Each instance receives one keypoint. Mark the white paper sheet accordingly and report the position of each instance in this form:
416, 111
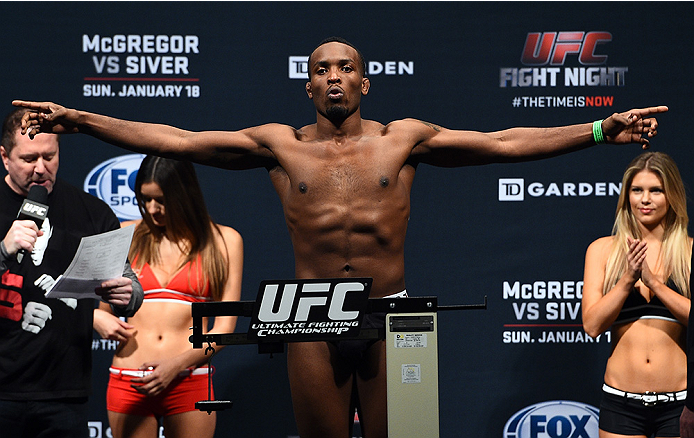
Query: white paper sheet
100, 257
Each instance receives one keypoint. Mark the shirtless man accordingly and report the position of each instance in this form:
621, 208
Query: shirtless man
344, 183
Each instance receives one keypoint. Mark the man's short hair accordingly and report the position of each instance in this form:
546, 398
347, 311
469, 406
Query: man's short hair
12, 123
337, 39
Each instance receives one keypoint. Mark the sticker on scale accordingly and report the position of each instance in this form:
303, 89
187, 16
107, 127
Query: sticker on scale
410, 340
411, 373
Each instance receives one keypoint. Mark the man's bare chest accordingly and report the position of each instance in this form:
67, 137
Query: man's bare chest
345, 175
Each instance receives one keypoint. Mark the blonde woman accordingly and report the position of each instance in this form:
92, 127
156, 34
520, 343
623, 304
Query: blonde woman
180, 257
636, 281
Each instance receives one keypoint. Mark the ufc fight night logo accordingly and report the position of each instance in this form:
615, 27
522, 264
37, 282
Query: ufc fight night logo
316, 309
553, 47
565, 58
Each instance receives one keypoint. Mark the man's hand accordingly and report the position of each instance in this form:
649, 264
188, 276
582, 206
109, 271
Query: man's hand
629, 127
111, 327
47, 117
35, 316
116, 291
22, 235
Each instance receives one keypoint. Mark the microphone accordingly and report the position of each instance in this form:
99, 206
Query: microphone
33, 208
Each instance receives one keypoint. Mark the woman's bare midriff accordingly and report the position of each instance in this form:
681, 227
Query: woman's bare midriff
648, 356
162, 332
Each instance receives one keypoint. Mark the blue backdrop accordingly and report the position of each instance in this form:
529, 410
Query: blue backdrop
516, 233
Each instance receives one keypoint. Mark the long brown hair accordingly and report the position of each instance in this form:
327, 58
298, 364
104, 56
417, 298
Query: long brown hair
187, 222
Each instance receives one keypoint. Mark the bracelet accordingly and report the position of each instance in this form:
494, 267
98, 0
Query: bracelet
4, 257
598, 136
3, 251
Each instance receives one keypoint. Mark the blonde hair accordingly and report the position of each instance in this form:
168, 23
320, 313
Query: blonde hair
675, 253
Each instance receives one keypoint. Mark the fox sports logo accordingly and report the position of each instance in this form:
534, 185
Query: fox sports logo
554, 419
113, 181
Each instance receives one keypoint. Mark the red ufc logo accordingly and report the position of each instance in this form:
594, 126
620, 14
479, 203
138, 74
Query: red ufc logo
552, 47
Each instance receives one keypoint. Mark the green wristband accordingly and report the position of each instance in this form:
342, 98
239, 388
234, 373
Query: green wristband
598, 136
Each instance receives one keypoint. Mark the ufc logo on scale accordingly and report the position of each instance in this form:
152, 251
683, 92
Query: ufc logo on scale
302, 308
553, 47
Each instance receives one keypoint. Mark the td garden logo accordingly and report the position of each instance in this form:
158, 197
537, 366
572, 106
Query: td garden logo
515, 189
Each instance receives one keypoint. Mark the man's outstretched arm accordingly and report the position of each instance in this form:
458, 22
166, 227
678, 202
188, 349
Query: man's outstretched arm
229, 149
450, 148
